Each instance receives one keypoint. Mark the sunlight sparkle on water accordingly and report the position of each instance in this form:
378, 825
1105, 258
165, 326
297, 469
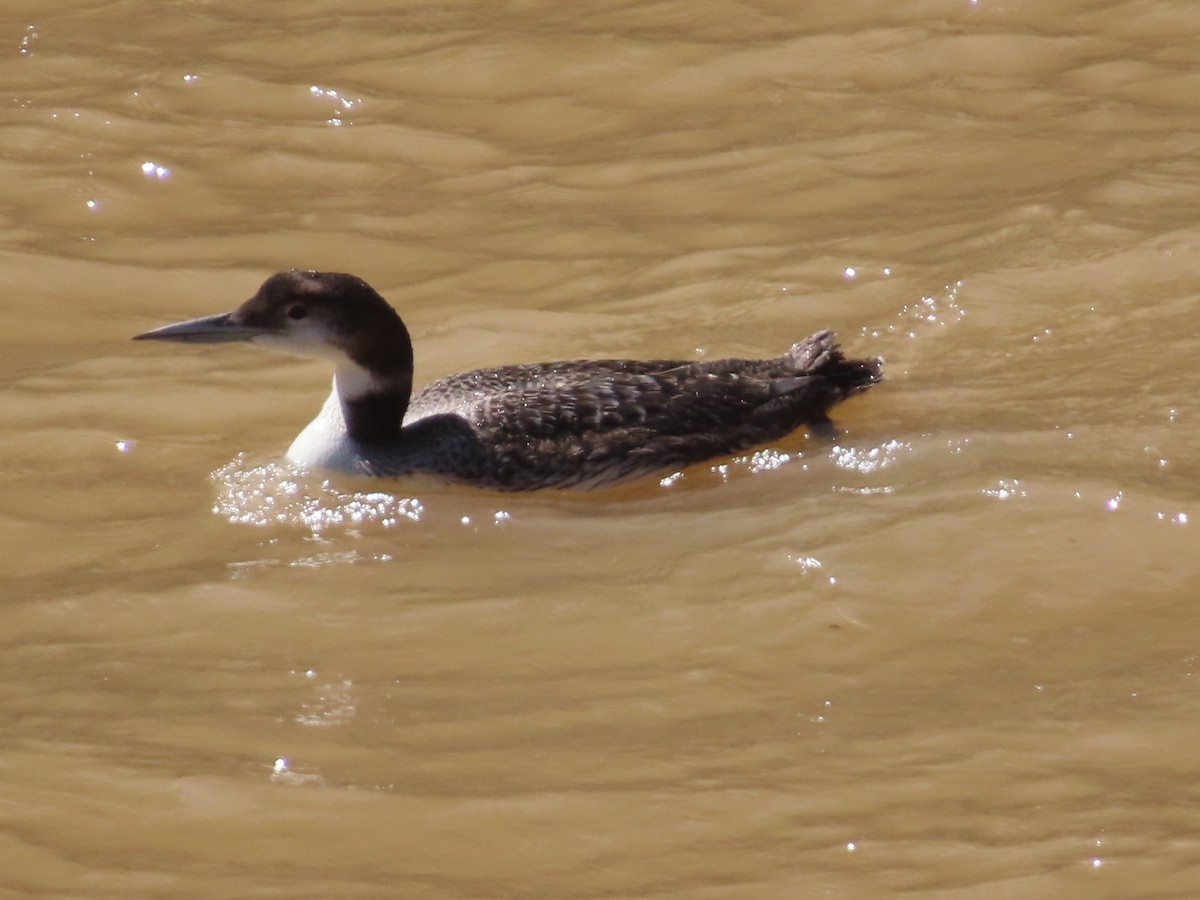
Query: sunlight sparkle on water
282, 773
928, 311
1177, 519
341, 104
155, 171
766, 460
867, 460
274, 495
334, 705
28, 39
805, 563
1005, 490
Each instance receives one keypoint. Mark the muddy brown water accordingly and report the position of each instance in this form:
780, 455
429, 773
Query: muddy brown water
951, 654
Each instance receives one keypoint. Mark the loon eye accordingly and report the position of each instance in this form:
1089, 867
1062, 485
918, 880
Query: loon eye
297, 312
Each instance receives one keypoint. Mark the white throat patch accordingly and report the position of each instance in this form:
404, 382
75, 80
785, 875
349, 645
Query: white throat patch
351, 381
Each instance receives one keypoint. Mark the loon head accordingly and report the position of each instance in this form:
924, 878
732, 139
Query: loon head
326, 315
323, 314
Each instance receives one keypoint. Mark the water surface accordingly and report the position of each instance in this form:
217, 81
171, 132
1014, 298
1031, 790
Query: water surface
952, 653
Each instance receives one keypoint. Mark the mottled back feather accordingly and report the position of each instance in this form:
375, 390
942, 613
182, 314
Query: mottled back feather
590, 422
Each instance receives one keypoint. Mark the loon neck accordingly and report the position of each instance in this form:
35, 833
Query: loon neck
373, 405
373, 376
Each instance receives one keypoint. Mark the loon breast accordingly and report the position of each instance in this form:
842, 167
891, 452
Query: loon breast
325, 442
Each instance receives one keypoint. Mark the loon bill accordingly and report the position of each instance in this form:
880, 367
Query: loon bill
577, 423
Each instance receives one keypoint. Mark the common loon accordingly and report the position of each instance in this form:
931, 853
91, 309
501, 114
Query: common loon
580, 423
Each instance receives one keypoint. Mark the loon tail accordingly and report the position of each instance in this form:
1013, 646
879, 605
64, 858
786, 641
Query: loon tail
819, 356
